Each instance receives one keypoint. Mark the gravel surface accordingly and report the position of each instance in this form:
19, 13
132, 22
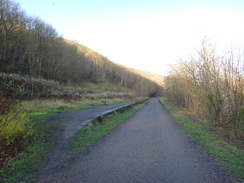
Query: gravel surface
148, 147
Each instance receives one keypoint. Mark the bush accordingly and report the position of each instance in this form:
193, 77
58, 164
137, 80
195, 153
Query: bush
15, 129
5, 103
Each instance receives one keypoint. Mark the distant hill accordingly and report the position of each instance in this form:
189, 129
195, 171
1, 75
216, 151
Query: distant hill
154, 77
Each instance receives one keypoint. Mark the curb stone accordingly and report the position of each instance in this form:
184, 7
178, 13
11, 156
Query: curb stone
119, 109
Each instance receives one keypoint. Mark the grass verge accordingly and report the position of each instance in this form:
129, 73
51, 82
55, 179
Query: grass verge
57, 106
24, 166
89, 135
231, 158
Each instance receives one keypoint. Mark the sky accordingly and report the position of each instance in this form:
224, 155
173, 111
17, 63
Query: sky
148, 35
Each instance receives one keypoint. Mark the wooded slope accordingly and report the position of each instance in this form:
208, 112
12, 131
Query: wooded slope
29, 46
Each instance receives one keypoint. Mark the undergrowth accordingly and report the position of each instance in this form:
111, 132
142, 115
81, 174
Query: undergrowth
230, 157
15, 129
23, 167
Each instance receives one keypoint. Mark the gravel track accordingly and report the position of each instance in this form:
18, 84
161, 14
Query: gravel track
148, 147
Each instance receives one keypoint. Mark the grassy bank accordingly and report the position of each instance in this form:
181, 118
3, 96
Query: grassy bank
56, 106
89, 135
230, 157
23, 167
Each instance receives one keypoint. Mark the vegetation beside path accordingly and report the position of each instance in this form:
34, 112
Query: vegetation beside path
229, 156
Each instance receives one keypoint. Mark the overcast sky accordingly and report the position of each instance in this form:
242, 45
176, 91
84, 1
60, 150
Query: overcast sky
143, 34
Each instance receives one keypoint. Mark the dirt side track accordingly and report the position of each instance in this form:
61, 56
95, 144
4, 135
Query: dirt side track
148, 147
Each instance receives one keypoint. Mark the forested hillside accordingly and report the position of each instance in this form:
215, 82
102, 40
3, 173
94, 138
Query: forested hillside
29, 46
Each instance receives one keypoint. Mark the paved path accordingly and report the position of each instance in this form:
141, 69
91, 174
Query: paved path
72, 122
148, 147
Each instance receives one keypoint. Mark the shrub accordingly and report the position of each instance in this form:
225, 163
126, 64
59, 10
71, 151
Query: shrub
15, 129
5, 103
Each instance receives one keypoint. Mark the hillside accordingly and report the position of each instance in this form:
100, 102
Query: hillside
32, 50
92, 55
88, 70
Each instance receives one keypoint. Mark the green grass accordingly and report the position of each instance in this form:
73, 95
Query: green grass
89, 135
57, 106
231, 158
22, 168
